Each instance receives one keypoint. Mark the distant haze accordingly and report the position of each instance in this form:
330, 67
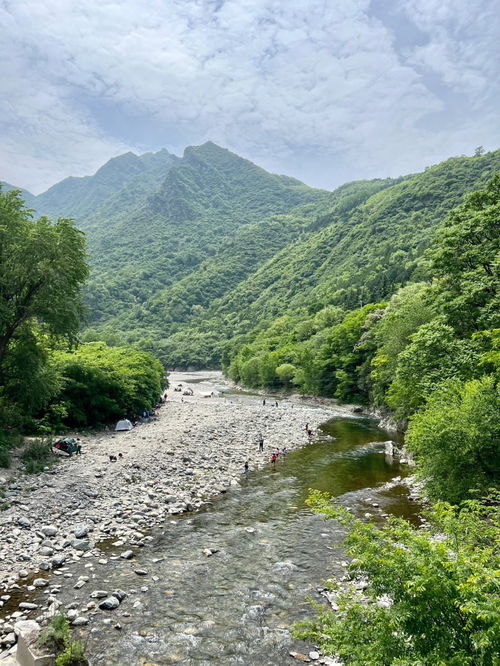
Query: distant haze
323, 91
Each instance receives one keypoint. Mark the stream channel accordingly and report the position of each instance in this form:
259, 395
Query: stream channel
237, 606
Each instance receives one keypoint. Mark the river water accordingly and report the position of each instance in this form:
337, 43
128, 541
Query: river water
237, 606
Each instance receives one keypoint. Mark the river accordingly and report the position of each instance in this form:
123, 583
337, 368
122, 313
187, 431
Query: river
236, 607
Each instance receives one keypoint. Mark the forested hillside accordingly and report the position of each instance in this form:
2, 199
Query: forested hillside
369, 244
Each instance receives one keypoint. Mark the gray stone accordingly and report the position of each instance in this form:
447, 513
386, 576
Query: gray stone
40, 582
58, 560
80, 621
45, 551
49, 530
120, 594
81, 530
81, 544
24, 522
25, 605
99, 594
140, 572
109, 603
127, 554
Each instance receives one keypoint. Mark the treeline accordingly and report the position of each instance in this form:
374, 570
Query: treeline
430, 354
48, 381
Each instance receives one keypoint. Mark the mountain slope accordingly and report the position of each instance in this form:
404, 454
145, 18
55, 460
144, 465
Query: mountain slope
357, 257
203, 200
77, 197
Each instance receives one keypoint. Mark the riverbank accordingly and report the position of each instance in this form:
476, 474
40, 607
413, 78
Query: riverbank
195, 450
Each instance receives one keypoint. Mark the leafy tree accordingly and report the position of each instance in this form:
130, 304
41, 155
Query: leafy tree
286, 372
465, 256
432, 595
42, 269
433, 355
101, 384
456, 439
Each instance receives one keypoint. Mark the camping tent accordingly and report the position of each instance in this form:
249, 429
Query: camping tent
124, 424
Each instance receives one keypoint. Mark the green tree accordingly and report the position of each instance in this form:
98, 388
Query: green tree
42, 269
456, 439
286, 372
432, 595
465, 262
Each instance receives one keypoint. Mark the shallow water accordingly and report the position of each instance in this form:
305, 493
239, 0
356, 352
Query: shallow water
237, 606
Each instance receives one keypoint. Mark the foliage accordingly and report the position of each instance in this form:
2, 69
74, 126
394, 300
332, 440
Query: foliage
456, 438
101, 384
465, 256
432, 595
42, 268
73, 655
57, 635
36, 456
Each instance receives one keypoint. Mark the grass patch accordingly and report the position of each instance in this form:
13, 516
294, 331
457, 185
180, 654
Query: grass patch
56, 638
37, 455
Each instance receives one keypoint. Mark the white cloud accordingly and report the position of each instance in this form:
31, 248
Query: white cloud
295, 86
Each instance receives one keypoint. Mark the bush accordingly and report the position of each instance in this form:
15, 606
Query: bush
73, 655
36, 456
456, 439
57, 635
440, 589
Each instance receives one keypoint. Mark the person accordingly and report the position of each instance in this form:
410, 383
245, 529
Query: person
284, 451
273, 460
78, 445
246, 467
261, 444
264, 402
276, 404
276, 452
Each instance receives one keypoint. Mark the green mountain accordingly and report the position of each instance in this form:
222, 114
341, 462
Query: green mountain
29, 199
78, 197
204, 200
348, 257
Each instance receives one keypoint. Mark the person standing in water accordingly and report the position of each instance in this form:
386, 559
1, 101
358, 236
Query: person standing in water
261, 444
274, 458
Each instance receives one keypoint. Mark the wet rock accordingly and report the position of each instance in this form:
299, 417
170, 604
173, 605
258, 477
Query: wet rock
80, 621
81, 544
127, 554
99, 594
109, 603
40, 582
120, 595
25, 605
140, 572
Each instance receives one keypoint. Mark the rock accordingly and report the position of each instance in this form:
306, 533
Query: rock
299, 656
58, 560
81, 544
140, 572
25, 605
24, 522
127, 554
49, 530
109, 603
99, 594
80, 621
81, 530
79, 584
10, 639
46, 551
314, 655
71, 614
120, 595
40, 582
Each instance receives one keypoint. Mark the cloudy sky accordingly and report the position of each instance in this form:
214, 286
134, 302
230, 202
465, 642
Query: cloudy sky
324, 90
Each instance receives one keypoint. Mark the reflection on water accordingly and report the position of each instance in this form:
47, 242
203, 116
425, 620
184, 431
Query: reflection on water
237, 606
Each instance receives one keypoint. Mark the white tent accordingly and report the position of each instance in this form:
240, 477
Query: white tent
124, 424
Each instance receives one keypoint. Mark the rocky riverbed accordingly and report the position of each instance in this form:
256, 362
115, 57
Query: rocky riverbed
196, 449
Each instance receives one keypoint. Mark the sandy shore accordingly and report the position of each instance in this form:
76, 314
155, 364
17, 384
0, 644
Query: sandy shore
196, 449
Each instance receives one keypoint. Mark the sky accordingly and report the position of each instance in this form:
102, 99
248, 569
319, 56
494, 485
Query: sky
324, 90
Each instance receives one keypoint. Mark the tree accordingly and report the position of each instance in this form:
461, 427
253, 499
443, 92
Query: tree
432, 595
456, 439
464, 259
42, 269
